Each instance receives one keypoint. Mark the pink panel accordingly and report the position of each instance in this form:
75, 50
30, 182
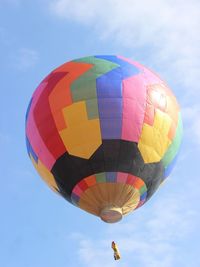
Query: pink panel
37, 93
151, 77
77, 190
140, 204
136, 64
134, 104
34, 137
122, 177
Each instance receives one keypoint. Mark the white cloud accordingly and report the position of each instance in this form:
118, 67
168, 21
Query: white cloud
25, 58
170, 29
93, 253
148, 241
79, 10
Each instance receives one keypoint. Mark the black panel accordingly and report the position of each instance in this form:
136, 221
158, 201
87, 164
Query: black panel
96, 161
128, 153
68, 170
111, 156
152, 175
111, 149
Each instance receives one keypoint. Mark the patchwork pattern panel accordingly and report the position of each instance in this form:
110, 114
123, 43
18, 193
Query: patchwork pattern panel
103, 120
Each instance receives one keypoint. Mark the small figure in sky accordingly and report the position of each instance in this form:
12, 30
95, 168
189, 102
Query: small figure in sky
116, 251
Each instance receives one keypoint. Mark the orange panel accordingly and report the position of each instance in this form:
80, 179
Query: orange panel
90, 181
172, 130
60, 96
138, 183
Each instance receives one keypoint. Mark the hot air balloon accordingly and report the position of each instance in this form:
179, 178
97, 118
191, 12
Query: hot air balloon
104, 133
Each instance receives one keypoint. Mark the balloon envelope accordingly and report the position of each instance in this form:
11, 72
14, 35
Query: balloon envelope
103, 132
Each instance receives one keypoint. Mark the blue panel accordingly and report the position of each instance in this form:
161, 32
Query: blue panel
28, 109
30, 150
110, 84
111, 177
127, 69
170, 167
27, 145
143, 196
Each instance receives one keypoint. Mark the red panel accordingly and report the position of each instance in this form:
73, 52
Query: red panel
149, 114
131, 179
44, 120
82, 184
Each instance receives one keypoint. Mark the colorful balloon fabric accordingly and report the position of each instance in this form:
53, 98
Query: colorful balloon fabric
103, 132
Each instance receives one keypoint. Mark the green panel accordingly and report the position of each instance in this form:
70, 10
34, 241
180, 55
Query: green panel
101, 177
143, 189
85, 86
92, 108
174, 147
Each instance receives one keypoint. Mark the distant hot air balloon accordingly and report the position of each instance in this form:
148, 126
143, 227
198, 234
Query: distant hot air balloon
104, 132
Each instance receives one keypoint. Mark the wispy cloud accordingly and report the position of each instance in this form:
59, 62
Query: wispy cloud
93, 253
82, 11
25, 58
169, 29
149, 243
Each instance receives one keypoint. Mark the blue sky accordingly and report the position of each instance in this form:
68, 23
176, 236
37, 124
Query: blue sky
38, 228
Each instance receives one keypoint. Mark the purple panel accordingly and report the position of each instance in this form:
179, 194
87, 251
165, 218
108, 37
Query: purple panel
110, 108
111, 177
109, 93
75, 199
111, 128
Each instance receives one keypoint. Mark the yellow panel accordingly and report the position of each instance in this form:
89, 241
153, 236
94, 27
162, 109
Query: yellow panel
75, 113
46, 175
103, 195
154, 140
162, 122
148, 153
82, 136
